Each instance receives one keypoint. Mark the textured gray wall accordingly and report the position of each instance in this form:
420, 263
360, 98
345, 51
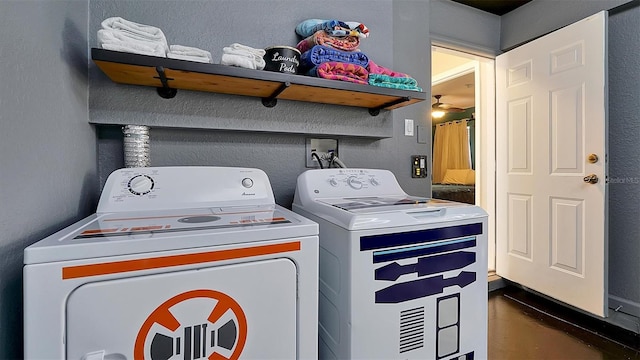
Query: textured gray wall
47, 149
464, 28
540, 17
399, 40
47, 159
624, 162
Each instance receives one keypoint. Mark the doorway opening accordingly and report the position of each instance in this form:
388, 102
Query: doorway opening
463, 87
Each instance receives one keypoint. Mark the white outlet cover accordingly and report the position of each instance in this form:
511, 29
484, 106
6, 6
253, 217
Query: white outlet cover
408, 127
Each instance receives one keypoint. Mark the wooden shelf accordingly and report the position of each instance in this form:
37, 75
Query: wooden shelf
168, 75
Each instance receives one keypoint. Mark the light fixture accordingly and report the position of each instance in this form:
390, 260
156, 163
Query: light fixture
437, 114
438, 109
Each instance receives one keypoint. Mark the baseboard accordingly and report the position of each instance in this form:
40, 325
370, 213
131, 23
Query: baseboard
496, 282
605, 328
629, 307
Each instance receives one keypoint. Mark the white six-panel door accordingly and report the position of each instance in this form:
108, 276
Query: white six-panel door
550, 117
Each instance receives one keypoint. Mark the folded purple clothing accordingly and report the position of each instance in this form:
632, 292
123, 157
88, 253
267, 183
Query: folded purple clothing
320, 54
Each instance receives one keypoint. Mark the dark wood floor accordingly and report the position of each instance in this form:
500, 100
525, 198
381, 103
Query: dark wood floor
525, 326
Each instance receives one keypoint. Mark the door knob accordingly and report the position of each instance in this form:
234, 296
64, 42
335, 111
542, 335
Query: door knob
592, 158
591, 179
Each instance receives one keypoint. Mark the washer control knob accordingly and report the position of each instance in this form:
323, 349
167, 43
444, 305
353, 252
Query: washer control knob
355, 183
247, 182
140, 184
333, 182
374, 181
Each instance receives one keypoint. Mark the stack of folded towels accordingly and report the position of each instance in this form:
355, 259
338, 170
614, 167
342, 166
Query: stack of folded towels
123, 35
118, 34
330, 50
243, 56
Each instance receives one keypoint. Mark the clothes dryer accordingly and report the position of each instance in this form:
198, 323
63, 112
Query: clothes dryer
401, 277
177, 263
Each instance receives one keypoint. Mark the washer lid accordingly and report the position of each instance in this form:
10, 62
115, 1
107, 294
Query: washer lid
123, 233
375, 203
387, 212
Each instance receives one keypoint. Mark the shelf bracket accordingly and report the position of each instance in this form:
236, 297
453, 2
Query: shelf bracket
376, 110
272, 100
165, 91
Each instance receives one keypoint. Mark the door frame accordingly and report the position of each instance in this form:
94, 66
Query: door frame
483, 66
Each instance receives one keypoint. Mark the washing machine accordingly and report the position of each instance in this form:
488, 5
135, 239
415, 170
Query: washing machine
176, 263
401, 277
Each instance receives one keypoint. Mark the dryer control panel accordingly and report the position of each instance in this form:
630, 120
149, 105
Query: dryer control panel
157, 188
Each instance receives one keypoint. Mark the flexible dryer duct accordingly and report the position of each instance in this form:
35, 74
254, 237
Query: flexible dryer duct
136, 146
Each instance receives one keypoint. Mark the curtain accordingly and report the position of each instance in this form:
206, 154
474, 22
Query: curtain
450, 148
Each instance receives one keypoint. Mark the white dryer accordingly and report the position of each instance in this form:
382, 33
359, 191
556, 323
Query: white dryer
401, 277
177, 263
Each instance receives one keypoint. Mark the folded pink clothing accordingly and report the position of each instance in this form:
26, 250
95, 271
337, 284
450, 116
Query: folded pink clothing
347, 43
377, 69
335, 70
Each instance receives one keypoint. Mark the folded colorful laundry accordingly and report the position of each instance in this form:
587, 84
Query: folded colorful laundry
332, 27
348, 43
374, 68
393, 82
319, 54
335, 70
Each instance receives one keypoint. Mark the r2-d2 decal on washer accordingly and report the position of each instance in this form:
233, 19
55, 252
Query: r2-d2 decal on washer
428, 255
401, 277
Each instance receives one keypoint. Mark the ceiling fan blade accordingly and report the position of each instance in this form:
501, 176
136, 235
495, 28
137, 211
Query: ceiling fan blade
438, 106
446, 107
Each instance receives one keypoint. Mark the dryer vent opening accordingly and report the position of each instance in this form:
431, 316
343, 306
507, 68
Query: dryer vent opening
136, 146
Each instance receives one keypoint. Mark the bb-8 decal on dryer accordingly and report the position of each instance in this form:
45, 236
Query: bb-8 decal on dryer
177, 263
163, 329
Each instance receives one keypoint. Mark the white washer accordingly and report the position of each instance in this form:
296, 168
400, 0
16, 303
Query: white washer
401, 277
177, 263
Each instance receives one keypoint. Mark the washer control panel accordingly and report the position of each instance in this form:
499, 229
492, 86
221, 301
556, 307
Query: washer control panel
156, 188
349, 182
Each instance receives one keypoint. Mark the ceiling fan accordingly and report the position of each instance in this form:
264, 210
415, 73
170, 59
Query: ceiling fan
446, 108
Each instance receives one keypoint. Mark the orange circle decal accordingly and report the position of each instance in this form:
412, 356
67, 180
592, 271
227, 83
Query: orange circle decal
195, 324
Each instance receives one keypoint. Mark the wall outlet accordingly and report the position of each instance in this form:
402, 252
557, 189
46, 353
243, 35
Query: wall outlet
323, 148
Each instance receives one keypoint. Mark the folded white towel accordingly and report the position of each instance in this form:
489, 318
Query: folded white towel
189, 51
201, 59
135, 30
116, 41
249, 49
241, 61
255, 56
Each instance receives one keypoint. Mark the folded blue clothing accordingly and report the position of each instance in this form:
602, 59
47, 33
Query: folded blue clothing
319, 54
309, 27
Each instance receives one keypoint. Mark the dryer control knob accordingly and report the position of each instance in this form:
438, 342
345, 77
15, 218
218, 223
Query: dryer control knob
140, 184
333, 182
355, 183
374, 181
247, 182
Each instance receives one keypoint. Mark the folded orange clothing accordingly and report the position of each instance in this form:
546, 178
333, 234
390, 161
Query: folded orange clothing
347, 43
